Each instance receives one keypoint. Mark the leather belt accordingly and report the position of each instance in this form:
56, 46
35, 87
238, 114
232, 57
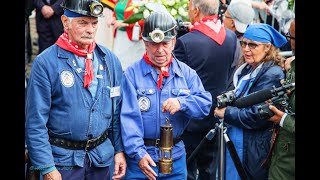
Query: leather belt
79, 145
156, 142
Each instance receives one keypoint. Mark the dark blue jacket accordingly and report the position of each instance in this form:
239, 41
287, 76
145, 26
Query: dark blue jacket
256, 131
214, 64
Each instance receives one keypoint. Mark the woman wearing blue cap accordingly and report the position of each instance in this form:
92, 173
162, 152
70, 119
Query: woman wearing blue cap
259, 69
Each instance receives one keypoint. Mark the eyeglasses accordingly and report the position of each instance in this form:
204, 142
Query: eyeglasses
224, 16
251, 45
289, 37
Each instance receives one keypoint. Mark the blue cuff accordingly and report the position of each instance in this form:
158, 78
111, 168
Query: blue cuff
47, 170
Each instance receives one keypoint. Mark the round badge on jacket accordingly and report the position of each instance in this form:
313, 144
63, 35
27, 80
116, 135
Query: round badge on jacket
144, 103
67, 78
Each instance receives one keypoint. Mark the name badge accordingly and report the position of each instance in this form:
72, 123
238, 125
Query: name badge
115, 91
99, 76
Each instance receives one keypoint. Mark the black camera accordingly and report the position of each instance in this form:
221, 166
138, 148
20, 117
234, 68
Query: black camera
280, 102
181, 28
226, 99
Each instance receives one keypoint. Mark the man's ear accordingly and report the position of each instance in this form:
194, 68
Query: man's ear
196, 13
175, 39
65, 22
233, 24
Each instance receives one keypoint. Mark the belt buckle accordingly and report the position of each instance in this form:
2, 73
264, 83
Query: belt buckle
157, 143
88, 144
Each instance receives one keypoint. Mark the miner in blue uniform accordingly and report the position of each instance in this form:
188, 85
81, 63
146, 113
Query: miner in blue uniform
155, 88
73, 102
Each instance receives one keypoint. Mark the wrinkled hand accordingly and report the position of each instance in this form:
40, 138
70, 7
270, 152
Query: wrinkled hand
171, 105
53, 175
261, 6
118, 24
111, 22
47, 11
219, 112
268, 2
287, 65
120, 166
276, 118
145, 167
188, 25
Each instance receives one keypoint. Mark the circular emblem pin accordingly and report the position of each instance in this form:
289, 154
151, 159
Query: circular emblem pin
144, 103
67, 78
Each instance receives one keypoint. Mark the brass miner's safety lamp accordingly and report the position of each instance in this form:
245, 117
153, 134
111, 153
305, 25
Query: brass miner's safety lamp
166, 145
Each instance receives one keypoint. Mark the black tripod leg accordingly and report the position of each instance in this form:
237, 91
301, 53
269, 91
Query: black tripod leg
204, 141
221, 152
235, 158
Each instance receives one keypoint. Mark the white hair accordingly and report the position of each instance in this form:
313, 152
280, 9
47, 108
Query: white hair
207, 7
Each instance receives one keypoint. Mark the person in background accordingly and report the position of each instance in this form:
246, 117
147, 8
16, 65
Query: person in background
257, 5
73, 102
284, 151
259, 69
48, 22
128, 44
238, 16
29, 7
211, 50
155, 88
104, 34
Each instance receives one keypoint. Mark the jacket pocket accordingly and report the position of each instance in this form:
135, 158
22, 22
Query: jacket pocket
180, 92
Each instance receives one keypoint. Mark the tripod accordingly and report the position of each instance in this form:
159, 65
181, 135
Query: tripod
223, 137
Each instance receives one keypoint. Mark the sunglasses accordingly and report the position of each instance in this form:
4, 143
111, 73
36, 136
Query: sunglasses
250, 45
289, 36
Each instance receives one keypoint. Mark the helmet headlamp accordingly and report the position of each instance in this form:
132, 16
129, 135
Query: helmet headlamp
96, 8
157, 35
83, 7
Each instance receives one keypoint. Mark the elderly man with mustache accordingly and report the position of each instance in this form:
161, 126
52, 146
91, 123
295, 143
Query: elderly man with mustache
73, 102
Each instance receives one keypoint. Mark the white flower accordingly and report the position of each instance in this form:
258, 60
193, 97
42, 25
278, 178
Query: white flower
137, 3
171, 2
173, 12
182, 12
146, 13
135, 10
143, 8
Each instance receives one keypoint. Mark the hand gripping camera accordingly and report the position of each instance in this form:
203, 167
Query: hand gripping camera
280, 101
181, 28
226, 99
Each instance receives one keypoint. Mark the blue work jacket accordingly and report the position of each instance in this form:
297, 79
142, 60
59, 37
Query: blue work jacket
141, 115
57, 103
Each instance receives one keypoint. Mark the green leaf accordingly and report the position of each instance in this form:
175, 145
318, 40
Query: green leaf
134, 18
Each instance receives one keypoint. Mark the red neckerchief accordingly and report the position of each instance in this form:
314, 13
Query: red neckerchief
162, 72
211, 26
65, 43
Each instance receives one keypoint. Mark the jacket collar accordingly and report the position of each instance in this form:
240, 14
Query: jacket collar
174, 68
